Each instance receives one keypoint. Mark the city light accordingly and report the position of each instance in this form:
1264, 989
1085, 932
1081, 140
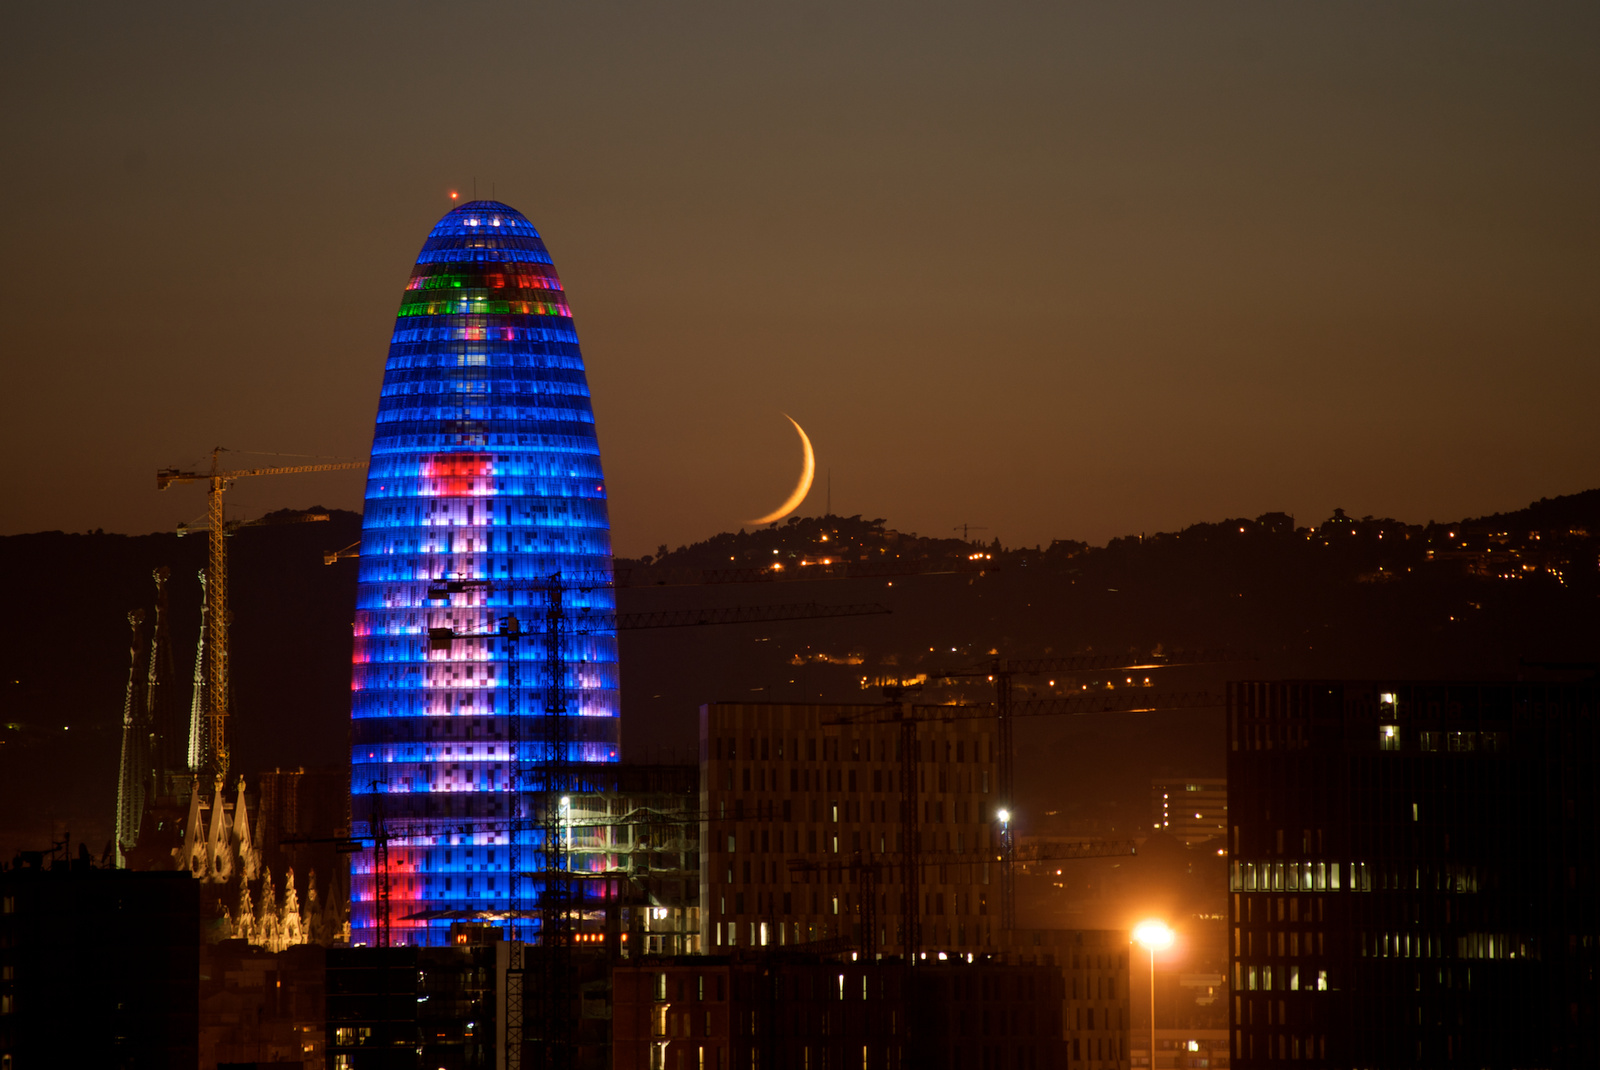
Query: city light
1154, 935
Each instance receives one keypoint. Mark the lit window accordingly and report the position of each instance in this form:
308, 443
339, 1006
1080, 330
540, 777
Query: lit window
1389, 737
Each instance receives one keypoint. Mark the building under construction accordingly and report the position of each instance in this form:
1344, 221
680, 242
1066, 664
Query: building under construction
175, 812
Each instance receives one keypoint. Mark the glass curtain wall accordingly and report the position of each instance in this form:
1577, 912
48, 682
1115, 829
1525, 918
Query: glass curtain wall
485, 482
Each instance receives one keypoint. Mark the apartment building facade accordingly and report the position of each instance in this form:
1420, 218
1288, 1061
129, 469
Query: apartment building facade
804, 823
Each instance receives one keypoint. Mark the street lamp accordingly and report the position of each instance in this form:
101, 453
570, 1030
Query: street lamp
1156, 936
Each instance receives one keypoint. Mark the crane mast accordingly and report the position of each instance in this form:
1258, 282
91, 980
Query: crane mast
216, 625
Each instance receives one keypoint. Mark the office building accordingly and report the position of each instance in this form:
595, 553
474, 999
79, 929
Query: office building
1414, 874
485, 638
1096, 990
804, 829
802, 810
1183, 1049
1190, 809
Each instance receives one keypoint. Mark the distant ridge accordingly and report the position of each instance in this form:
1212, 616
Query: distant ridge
1567, 512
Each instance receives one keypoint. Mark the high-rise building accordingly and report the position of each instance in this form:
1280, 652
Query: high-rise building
485, 484
1191, 809
1413, 871
802, 851
797, 799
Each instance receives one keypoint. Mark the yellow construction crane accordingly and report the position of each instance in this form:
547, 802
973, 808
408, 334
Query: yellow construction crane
217, 584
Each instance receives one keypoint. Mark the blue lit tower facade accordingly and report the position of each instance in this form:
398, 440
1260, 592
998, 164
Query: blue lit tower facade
485, 481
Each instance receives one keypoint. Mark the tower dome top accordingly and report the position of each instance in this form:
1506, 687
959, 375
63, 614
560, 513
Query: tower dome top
483, 231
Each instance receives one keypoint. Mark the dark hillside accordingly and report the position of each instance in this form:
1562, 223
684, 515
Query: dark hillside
65, 660
1352, 597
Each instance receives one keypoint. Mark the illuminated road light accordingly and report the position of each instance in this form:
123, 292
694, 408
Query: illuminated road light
1154, 935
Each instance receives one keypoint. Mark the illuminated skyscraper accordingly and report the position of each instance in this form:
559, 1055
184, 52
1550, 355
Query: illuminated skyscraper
485, 482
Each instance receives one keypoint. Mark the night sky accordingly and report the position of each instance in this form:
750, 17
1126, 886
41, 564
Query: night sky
1058, 270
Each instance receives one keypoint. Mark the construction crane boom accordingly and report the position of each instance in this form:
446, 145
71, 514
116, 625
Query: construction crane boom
689, 618
217, 622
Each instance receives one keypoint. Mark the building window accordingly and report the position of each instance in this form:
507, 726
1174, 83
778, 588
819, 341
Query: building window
1389, 737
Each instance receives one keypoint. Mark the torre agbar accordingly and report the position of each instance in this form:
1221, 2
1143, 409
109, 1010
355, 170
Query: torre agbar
485, 482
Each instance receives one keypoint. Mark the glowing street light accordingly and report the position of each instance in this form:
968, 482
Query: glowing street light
1004, 816
1155, 935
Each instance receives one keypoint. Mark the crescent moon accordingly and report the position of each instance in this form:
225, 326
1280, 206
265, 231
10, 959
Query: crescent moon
808, 470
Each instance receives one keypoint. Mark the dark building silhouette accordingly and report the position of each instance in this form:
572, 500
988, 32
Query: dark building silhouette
260, 1006
1414, 874
448, 1006
98, 967
415, 1006
798, 1013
